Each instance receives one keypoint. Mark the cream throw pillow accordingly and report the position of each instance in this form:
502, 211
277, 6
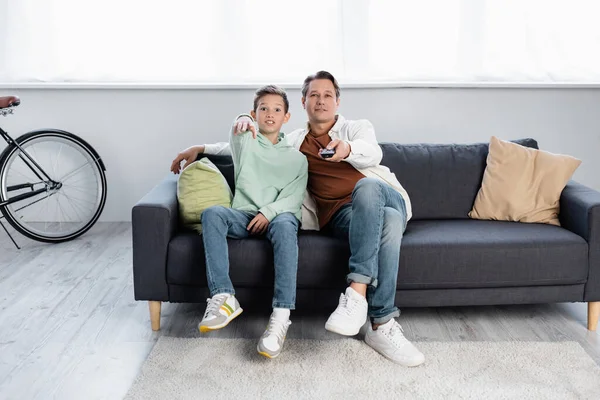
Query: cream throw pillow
522, 184
200, 186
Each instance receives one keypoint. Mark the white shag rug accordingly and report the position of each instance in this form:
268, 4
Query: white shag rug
205, 368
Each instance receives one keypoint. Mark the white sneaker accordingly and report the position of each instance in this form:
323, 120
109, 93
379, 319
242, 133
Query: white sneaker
221, 309
271, 342
389, 341
350, 314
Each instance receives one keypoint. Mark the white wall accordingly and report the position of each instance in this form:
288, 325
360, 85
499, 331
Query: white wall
139, 132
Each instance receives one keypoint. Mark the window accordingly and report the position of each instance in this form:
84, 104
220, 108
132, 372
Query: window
252, 41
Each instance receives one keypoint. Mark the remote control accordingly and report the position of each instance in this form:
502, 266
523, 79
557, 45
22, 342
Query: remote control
327, 153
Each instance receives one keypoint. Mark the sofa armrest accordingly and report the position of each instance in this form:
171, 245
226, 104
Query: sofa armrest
580, 213
154, 222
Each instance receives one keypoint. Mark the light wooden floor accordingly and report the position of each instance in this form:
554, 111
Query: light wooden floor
70, 329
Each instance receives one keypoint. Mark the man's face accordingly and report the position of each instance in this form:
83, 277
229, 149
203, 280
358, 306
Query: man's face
320, 102
270, 114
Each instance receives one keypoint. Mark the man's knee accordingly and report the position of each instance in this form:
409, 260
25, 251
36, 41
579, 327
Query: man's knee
393, 223
366, 185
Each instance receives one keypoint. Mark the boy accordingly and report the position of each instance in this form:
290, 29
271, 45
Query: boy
270, 181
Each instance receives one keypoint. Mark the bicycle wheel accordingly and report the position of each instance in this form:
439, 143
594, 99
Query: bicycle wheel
69, 178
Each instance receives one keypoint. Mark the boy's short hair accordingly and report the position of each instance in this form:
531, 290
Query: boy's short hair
321, 75
271, 89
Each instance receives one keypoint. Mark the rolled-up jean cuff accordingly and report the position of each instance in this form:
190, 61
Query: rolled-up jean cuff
284, 305
358, 278
219, 291
384, 319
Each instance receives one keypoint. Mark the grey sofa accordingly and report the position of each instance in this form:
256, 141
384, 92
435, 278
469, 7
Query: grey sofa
446, 259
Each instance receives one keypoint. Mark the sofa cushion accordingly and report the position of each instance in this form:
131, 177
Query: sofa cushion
435, 254
322, 263
471, 253
200, 185
522, 184
442, 180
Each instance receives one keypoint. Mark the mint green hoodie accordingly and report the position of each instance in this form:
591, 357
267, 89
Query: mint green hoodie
269, 178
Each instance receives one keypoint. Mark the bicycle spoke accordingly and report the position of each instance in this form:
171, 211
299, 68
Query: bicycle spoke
46, 218
77, 199
41, 208
74, 182
74, 209
56, 163
78, 178
35, 156
75, 170
34, 202
56, 212
37, 160
86, 190
23, 175
64, 213
78, 203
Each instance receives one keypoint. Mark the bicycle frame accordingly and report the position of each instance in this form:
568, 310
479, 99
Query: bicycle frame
32, 164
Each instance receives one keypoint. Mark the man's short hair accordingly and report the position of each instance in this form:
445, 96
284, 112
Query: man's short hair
271, 89
321, 75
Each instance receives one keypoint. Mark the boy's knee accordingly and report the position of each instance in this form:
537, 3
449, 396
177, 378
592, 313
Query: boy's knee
285, 222
212, 213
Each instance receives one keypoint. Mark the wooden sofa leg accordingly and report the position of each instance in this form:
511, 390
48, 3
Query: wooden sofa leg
155, 314
593, 314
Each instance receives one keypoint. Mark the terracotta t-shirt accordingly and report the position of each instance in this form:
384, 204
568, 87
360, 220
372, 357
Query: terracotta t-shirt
330, 183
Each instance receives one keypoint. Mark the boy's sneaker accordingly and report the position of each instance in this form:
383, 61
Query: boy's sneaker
271, 342
389, 341
221, 309
350, 314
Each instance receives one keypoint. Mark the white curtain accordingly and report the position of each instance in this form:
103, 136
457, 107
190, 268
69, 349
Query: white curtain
252, 41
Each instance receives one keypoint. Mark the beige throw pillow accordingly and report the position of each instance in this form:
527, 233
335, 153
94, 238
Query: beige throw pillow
522, 184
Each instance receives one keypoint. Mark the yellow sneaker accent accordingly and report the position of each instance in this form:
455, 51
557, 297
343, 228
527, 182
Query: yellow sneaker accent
264, 354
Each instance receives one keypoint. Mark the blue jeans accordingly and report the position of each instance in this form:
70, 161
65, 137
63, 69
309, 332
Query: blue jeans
219, 223
374, 223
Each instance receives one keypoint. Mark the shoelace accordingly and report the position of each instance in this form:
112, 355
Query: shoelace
347, 304
396, 334
277, 328
213, 305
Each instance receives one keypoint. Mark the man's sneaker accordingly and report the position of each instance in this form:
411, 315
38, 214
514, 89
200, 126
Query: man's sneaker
389, 341
221, 309
271, 342
350, 314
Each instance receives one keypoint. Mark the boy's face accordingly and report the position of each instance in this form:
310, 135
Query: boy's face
270, 114
320, 102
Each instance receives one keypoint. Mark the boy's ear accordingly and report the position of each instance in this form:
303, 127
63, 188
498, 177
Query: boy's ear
287, 117
253, 114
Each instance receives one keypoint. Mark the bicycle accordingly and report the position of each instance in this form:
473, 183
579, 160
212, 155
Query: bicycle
52, 183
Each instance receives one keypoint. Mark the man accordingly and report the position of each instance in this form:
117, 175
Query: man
353, 197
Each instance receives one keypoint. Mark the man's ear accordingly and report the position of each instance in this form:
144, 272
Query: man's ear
287, 117
303, 103
338, 102
253, 115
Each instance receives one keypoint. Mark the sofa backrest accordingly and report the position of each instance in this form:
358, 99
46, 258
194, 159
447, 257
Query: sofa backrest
225, 165
442, 180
